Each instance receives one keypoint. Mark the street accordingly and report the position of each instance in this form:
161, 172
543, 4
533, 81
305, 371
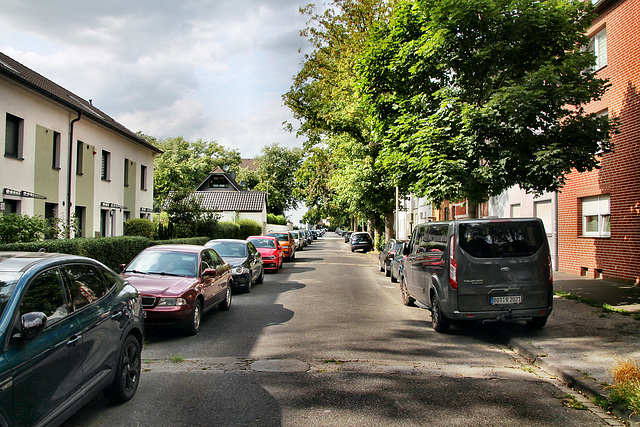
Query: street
327, 341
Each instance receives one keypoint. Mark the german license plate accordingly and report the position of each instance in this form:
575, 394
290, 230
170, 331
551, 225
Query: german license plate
511, 299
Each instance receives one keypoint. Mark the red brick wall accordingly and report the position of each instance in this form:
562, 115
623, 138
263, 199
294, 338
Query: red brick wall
618, 256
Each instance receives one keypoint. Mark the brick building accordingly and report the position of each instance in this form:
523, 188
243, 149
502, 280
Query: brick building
599, 211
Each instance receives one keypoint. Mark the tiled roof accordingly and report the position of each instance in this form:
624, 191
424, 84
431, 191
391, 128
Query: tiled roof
239, 201
17, 72
248, 164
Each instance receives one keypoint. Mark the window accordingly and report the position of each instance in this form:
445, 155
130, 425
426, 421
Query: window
515, 211
126, 172
598, 46
11, 207
46, 295
55, 163
596, 216
79, 157
13, 137
86, 284
218, 182
143, 177
105, 173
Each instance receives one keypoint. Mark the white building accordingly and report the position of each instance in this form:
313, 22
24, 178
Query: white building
65, 158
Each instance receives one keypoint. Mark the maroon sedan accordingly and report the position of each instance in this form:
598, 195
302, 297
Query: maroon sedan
179, 283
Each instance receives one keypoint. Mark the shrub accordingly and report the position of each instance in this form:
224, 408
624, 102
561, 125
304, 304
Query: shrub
626, 384
21, 228
226, 230
139, 227
248, 227
276, 219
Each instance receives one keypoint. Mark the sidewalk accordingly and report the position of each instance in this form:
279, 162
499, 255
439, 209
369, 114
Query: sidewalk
581, 343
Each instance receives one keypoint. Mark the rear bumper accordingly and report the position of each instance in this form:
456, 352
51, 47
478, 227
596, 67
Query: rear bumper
505, 315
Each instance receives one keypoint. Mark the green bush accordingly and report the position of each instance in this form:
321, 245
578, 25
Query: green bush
21, 228
276, 219
226, 230
183, 241
249, 227
139, 227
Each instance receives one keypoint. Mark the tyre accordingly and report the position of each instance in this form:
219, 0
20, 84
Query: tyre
406, 298
387, 270
128, 369
196, 317
537, 322
260, 279
438, 320
380, 266
247, 287
353, 250
226, 302
393, 279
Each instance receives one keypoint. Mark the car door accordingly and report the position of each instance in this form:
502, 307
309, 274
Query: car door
89, 287
46, 370
210, 287
414, 263
435, 259
253, 261
222, 277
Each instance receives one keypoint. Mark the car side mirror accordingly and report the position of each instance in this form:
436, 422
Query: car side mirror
122, 266
32, 324
209, 272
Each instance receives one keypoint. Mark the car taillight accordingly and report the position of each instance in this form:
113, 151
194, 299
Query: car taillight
453, 265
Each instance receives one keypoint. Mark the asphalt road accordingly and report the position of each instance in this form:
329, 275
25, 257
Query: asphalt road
326, 341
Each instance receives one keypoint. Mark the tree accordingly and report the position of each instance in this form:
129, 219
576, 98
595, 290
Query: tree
185, 164
276, 167
471, 97
326, 100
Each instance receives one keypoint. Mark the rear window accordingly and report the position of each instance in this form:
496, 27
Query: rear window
501, 239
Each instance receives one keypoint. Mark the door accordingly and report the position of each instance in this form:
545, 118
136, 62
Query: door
100, 327
209, 284
414, 264
47, 370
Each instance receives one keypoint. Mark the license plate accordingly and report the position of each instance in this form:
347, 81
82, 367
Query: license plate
512, 299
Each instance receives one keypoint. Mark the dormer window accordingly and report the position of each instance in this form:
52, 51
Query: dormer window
218, 182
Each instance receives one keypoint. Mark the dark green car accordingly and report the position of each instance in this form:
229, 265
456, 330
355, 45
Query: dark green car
70, 328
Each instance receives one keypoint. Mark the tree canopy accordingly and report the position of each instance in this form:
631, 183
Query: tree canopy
471, 97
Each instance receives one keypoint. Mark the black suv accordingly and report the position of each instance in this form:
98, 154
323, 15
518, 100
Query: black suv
361, 240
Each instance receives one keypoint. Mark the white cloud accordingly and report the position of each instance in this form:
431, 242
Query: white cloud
209, 69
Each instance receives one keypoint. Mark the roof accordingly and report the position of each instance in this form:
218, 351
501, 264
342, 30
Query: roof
13, 70
248, 164
237, 201
219, 172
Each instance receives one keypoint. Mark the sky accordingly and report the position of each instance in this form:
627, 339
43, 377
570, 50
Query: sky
214, 70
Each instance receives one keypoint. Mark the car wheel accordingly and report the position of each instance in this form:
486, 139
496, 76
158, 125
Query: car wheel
387, 270
247, 287
537, 322
196, 317
353, 250
380, 266
438, 320
394, 279
260, 278
406, 298
128, 369
226, 303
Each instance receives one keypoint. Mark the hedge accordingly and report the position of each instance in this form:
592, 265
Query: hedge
114, 251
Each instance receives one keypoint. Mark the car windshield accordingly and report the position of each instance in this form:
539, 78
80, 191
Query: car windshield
263, 243
229, 249
501, 239
8, 280
280, 236
170, 263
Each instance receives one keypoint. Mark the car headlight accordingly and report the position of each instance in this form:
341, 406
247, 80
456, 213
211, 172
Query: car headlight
241, 270
269, 257
171, 302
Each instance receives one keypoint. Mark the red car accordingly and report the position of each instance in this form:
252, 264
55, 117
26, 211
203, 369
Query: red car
271, 251
179, 283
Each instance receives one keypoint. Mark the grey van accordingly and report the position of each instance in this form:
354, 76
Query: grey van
479, 270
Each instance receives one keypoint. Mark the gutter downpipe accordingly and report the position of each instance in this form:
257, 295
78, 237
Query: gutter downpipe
68, 220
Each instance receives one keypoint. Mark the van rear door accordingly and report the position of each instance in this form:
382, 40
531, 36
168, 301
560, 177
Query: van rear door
502, 265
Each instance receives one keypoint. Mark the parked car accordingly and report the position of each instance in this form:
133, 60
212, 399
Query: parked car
246, 262
179, 283
70, 328
397, 264
308, 236
287, 243
361, 240
483, 270
297, 236
347, 236
271, 251
387, 254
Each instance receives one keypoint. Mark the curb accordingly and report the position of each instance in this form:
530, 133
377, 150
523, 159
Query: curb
571, 377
